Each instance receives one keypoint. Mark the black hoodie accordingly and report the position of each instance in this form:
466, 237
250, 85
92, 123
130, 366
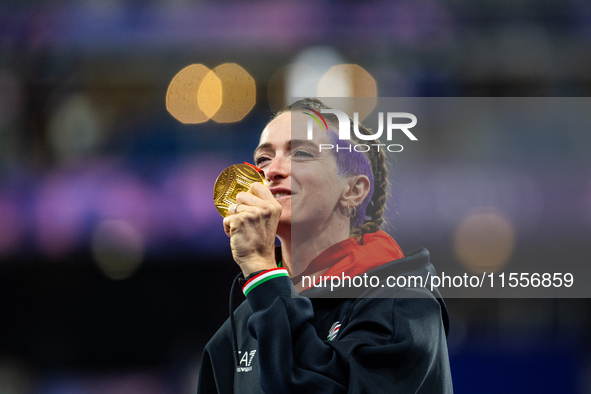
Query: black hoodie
378, 340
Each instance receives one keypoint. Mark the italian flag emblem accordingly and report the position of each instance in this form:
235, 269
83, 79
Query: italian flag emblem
334, 330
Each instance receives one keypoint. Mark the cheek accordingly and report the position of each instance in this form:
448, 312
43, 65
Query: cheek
310, 186
322, 193
318, 185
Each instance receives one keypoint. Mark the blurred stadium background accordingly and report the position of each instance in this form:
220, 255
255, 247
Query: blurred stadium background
114, 268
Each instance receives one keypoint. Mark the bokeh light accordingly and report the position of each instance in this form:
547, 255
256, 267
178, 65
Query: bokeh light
350, 80
315, 74
118, 248
181, 97
307, 69
238, 93
484, 240
210, 94
225, 94
75, 129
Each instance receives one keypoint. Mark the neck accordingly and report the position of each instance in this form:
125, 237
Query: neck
299, 248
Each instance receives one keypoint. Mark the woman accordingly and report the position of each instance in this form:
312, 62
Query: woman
326, 209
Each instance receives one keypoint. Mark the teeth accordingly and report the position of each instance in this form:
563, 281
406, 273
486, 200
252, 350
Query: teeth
280, 194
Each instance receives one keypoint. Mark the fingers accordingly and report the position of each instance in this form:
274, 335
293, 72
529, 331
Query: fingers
233, 209
240, 213
257, 196
227, 226
261, 191
257, 202
249, 199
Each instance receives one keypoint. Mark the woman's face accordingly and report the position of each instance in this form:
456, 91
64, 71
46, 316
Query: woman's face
302, 179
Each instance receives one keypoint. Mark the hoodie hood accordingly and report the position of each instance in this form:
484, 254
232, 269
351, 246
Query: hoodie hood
351, 257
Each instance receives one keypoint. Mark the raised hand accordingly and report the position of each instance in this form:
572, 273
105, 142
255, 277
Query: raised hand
251, 225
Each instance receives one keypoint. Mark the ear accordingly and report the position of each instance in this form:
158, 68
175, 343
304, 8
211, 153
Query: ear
357, 191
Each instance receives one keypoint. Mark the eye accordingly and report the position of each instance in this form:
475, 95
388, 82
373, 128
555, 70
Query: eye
261, 160
302, 153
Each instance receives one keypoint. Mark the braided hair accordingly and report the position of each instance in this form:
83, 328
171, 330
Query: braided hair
368, 217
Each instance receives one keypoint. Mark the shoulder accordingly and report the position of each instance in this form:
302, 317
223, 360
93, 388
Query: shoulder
418, 302
412, 317
405, 315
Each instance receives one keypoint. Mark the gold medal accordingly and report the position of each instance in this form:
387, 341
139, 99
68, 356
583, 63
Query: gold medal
233, 180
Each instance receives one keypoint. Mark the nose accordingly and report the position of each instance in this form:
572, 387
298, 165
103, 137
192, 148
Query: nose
279, 168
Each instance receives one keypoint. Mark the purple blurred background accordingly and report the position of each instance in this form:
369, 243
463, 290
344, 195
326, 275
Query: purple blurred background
114, 268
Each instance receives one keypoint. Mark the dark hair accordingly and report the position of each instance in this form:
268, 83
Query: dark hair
369, 216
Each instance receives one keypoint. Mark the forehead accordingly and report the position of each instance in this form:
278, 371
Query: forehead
292, 126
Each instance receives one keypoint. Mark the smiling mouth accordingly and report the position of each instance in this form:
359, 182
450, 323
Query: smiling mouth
277, 195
